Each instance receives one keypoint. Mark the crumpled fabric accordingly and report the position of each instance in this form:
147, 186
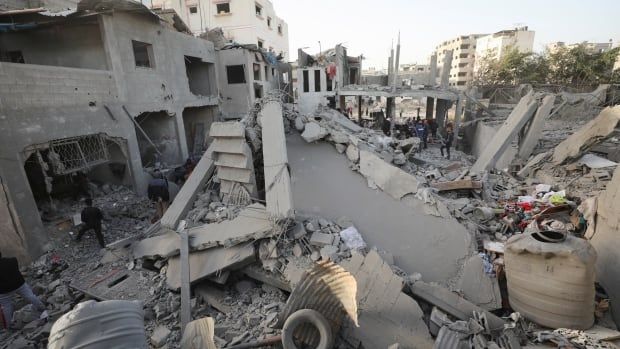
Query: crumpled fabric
487, 264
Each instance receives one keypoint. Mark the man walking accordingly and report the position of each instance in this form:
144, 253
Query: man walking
12, 282
158, 193
422, 132
91, 217
447, 143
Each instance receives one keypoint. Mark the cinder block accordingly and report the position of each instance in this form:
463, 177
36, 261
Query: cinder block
321, 239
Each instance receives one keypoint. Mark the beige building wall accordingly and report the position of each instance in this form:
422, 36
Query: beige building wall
243, 21
463, 59
496, 45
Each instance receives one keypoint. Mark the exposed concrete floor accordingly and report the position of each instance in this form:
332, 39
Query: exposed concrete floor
324, 185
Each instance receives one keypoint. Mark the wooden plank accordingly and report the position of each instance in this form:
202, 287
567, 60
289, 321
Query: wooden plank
457, 185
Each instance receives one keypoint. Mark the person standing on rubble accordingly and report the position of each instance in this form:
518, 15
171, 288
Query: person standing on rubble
91, 216
447, 142
12, 282
158, 193
422, 132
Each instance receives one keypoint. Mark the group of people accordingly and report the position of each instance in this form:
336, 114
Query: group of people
421, 129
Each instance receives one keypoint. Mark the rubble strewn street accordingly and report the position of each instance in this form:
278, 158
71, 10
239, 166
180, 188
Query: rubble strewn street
172, 186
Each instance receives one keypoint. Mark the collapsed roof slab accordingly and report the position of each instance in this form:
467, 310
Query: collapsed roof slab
522, 112
324, 185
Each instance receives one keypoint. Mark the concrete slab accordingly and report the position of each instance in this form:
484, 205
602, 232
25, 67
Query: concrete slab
251, 224
595, 130
228, 145
235, 160
321, 239
324, 185
522, 112
114, 283
232, 174
392, 180
227, 129
279, 196
479, 287
208, 262
534, 131
386, 315
162, 246
605, 241
185, 197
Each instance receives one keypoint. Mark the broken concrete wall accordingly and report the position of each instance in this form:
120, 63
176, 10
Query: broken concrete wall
309, 96
74, 45
605, 241
42, 103
480, 140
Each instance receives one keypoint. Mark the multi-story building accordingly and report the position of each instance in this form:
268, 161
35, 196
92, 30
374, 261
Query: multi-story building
108, 91
463, 57
592, 47
242, 21
494, 46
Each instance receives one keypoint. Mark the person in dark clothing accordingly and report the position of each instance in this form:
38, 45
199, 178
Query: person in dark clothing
91, 217
158, 193
422, 132
12, 282
433, 126
447, 142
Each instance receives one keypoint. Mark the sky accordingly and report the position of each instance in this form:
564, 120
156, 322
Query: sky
368, 27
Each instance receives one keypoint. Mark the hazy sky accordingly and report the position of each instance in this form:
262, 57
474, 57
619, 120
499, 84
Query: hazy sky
367, 27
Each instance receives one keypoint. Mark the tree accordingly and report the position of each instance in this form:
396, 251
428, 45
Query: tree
512, 68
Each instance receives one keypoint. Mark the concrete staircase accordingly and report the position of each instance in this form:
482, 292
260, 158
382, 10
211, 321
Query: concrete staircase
234, 163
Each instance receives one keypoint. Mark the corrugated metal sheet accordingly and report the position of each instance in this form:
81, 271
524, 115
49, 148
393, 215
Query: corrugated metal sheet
327, 288
453, 336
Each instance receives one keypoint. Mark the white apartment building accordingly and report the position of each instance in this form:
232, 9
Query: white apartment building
592, 47
463, 58
494, 46
243, 21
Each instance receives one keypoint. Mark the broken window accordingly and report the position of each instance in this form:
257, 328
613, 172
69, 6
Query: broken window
261, 43
463, 55
464, 46
256, 71
259, 9
329, 82
258, 91
462, 73
12, 57
235, 74
70, 155
193, 9
269, 22
460, 83
266, 73
306, 82
280, 29
143, 54
317, 81
199, 75
223, 7
273, 72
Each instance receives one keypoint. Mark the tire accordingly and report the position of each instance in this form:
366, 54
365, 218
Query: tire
307, 316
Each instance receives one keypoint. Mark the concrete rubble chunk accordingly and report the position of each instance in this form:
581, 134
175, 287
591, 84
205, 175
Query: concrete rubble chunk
313, 132
186, 195
353, 153
383, 307
478, 287
213, 296
340, 148
251, 224
299, 124
339, 137
392, 180
452, 303
522, 112
240, 175
160, 336
278, 194
457, 185
231, 129
228, 145
321, 239
163, 245
594, 131
336, 117
242, 160
206, 263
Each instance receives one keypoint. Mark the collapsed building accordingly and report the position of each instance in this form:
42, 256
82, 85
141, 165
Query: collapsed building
109, 91
295, 213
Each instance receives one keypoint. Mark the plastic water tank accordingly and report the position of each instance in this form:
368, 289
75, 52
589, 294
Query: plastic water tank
551, 279
100, 325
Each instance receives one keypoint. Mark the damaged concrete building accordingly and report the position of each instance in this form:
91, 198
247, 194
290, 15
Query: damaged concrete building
108, 89
299, 225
